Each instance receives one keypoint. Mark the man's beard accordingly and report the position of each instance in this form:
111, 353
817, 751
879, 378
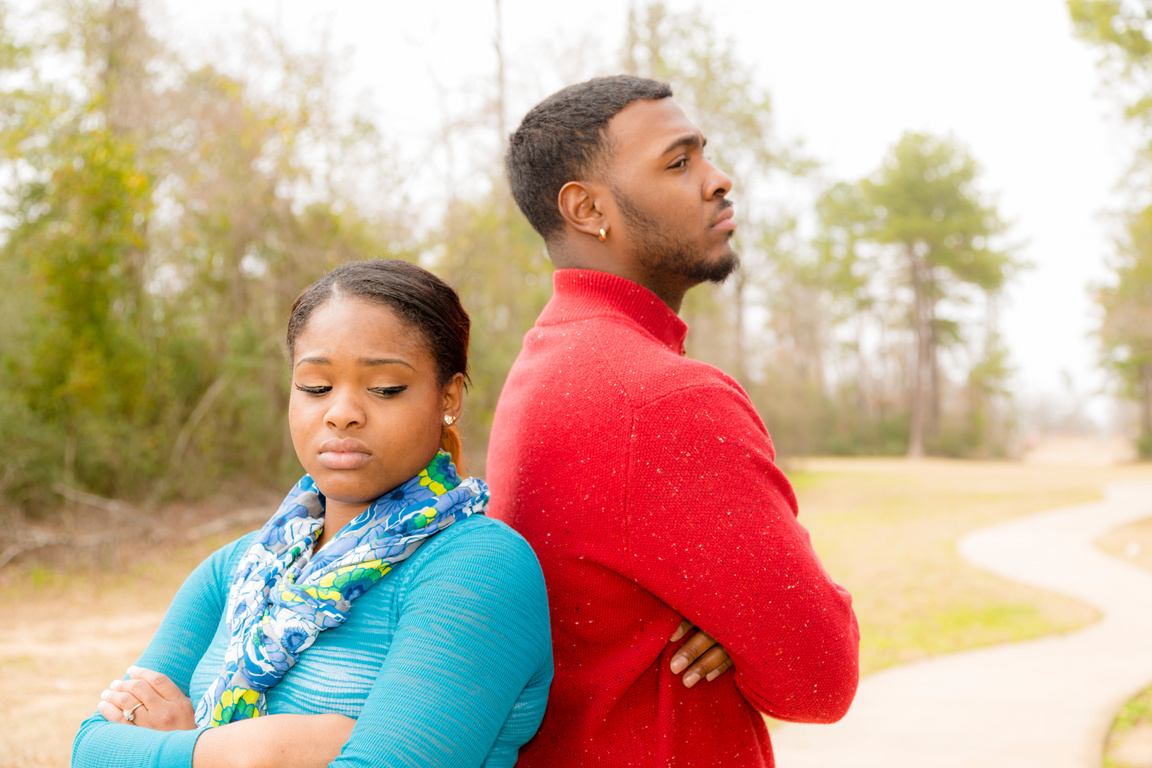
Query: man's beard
660, 253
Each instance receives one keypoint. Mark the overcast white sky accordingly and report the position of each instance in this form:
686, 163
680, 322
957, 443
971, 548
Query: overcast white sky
1004, 77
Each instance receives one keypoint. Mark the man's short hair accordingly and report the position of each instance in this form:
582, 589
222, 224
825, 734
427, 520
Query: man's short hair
564, 138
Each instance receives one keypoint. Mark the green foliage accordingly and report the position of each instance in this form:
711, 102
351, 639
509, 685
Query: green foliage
920, 227
717, 91
498, 264
161, 220
713, 86
1122, 31
1125, 330
924, 200
81, 233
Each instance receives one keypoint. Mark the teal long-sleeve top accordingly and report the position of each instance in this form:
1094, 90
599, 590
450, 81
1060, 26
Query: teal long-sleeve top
444, 662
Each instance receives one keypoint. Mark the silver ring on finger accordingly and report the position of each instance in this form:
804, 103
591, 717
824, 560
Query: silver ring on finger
130, 714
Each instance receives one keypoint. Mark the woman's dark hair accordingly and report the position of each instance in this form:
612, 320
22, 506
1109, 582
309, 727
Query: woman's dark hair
421, 300
564, 138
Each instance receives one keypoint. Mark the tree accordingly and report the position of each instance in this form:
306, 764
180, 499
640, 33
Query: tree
718, 92
1125, 330
1122, 31
933, 233
499, 266
160, 217
486, 249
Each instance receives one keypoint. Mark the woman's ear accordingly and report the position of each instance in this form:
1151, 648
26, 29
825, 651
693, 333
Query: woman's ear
453, 397
579, 203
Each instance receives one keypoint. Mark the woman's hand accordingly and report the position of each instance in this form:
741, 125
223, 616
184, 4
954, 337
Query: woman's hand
711, 660
154, 701
274, 741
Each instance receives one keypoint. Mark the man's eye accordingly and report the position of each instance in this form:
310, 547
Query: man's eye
389, 391
313, 390
681, 163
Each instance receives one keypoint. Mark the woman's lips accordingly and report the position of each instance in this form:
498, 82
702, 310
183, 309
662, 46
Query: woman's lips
344, 454
343, 459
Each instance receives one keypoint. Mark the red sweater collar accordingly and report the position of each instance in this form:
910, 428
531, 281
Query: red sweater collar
583, 293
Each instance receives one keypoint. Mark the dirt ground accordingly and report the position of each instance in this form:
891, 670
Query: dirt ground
73, 627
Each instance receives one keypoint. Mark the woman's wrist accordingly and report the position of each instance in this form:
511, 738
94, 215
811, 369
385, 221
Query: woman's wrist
274, 741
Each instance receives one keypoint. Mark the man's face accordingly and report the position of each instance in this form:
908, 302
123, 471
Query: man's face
670, 199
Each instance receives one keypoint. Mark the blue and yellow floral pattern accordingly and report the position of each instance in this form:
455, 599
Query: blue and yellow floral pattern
282, 596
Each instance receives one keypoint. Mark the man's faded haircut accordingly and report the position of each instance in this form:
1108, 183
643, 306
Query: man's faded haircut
564, 138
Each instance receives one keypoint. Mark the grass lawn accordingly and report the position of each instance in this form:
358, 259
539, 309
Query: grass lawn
1129, 743
1132, 542
885, 529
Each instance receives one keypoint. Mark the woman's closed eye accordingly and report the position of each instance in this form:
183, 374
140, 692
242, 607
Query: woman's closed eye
389, 391
323, 389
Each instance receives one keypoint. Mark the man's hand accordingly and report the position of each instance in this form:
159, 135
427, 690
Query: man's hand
700, 657
153, 699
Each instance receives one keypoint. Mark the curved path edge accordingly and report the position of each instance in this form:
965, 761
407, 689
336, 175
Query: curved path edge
1044, 703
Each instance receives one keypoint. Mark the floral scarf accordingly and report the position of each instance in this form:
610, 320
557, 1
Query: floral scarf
282, 597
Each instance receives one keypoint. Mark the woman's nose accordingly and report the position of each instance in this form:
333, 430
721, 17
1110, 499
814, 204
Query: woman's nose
344, 410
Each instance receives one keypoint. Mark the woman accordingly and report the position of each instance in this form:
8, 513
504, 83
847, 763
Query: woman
378, 618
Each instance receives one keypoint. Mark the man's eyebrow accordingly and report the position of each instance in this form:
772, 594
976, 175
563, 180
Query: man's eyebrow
691, 141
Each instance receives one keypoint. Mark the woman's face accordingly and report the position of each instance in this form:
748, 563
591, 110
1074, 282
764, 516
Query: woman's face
365, 411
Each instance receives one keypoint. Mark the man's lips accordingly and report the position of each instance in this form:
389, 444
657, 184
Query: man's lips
725, 221
344, 454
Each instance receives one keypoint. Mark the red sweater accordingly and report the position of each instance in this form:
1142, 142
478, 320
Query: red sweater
646, 484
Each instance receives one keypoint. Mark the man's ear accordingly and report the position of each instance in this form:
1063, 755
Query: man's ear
579, 205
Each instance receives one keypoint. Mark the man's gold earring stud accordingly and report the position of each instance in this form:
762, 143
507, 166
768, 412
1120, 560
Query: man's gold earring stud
603, 234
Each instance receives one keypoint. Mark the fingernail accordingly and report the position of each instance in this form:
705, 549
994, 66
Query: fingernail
115, 684
713, 675
105, 694
678, 664
691, 679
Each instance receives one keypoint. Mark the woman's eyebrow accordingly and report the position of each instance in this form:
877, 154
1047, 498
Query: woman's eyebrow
370, 361
364, 361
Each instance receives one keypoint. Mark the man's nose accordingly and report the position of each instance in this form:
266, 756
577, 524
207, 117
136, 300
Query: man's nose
718, 184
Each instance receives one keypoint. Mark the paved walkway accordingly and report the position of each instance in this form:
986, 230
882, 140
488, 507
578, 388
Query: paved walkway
1040, 704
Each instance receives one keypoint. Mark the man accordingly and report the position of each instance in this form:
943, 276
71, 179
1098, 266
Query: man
645, 481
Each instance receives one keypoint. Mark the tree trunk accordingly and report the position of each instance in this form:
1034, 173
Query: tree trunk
920, 366
739, 300
498, 44
1146, 410
932, 426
